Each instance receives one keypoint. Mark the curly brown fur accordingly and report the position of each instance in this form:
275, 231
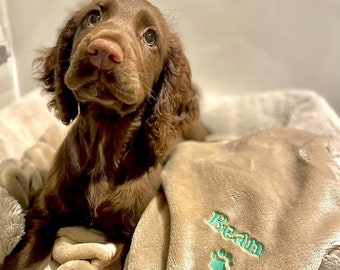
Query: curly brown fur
126, 116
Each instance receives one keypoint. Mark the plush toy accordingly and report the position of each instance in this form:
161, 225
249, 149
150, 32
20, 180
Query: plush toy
81, 248
11, 223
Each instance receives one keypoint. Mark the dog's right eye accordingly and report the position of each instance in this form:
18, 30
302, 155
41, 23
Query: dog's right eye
94, 17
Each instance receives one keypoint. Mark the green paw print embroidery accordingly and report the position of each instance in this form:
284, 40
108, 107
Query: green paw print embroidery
221, 260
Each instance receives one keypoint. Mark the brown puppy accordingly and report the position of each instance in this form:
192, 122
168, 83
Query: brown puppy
121, 73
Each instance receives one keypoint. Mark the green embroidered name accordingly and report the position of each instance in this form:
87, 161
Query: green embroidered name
250, 245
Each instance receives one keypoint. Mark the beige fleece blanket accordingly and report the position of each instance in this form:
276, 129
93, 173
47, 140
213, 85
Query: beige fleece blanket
270, 200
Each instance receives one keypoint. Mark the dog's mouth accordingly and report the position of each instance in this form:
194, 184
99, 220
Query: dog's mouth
112, 86
96, 91
109, 95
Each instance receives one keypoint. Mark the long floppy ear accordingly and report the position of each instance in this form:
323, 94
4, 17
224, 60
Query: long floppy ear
176, 100
52, 65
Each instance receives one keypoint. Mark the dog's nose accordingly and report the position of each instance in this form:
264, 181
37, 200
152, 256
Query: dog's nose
105, 54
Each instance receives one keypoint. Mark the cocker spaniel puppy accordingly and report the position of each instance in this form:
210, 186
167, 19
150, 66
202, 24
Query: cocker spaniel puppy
119, 73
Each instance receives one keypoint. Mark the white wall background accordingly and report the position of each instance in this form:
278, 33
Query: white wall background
8, 91
233, 46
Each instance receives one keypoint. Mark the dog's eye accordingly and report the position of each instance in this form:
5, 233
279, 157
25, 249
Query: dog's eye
150, 37
94, 17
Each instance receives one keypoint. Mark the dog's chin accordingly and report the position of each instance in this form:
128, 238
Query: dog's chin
97, 94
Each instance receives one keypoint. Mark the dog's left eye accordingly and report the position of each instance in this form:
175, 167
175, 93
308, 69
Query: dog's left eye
94, 18
150, 37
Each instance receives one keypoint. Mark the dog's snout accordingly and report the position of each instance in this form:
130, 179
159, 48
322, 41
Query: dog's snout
105, 54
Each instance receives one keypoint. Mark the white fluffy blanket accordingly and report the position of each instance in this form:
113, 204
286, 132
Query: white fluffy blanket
26, 138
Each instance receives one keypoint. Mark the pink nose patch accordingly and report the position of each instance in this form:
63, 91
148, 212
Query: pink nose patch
105, 54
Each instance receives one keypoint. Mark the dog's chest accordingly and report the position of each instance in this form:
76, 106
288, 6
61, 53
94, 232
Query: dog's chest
99, 193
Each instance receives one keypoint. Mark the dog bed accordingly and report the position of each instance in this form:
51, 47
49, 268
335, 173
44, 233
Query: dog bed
262, 193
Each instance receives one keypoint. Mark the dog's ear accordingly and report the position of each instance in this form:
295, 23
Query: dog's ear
51, 66
176, 99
